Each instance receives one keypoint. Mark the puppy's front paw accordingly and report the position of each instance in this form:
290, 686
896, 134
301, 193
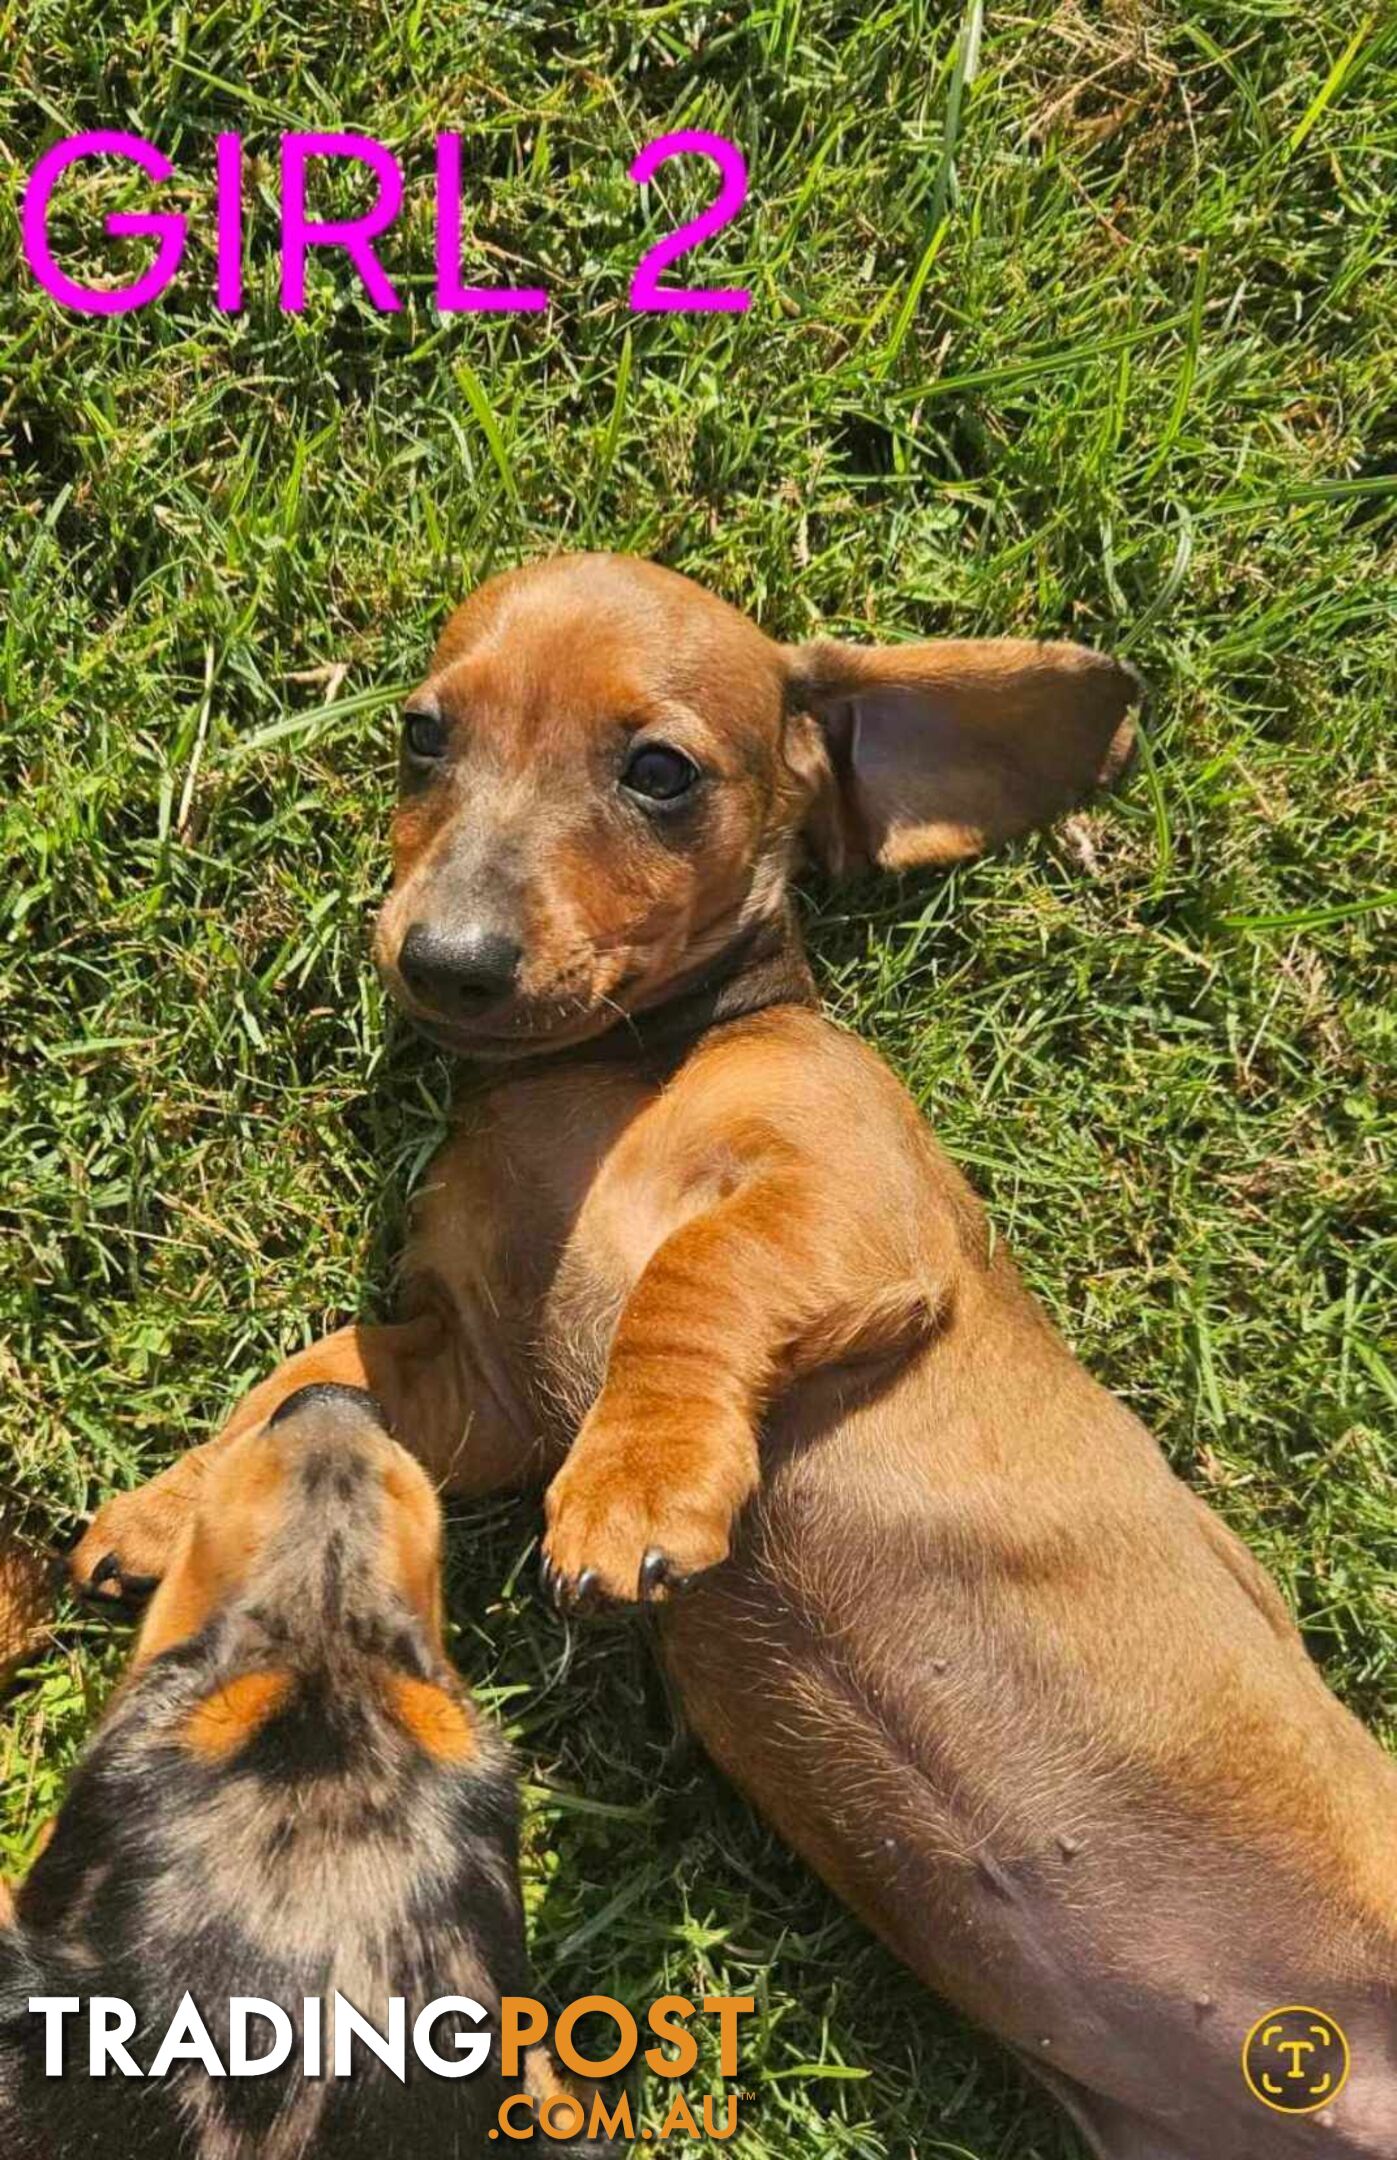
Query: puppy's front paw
634, 1535
127, 1546
111, 1562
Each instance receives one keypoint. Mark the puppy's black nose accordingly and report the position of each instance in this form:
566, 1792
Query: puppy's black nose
329, 1395
458, 970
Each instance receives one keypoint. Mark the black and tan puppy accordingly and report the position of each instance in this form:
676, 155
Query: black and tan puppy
292, 1797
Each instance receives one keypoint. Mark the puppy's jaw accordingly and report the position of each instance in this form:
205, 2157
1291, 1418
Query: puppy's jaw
240, 1513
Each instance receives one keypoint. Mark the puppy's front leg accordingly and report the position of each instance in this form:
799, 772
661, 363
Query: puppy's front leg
768, 1284
419, 1371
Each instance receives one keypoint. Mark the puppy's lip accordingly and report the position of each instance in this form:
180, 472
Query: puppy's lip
465, 1040
537, 1027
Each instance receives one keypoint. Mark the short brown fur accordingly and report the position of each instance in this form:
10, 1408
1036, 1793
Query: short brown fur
26, 1598
223, 1723
440, 1725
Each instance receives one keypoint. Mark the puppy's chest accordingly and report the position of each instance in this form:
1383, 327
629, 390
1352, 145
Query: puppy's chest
572, 1185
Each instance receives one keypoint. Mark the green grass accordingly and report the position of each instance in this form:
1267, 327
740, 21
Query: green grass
1096, 338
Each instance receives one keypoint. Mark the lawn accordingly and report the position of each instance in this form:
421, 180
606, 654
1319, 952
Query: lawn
1089, 332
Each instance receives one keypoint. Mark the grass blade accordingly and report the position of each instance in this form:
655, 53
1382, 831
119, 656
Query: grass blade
963, 71
1333, 83
489, 426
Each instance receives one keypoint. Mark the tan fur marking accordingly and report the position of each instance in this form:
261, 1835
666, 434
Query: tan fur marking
442, 1727
239, 1509
410, 1552
224, 1722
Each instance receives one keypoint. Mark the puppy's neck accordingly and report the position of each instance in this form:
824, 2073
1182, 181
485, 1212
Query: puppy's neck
765, 966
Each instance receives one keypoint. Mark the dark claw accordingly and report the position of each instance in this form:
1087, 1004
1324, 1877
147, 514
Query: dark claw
654, 1572
73, 1536
585, 1594
127, 1590
658, 1572
563, 1593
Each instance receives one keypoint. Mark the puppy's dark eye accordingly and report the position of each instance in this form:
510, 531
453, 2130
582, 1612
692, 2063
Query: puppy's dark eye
424, 735
658, 774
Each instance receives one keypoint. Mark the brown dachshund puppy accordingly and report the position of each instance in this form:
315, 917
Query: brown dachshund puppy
292, 1797
952, 1622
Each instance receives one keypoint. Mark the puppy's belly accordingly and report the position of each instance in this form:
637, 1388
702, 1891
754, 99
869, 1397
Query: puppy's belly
1062, 1863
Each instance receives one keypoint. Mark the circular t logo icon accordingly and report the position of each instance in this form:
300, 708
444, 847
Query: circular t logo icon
1295, 2060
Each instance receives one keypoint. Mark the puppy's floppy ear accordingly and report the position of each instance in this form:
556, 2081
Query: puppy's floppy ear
936, 752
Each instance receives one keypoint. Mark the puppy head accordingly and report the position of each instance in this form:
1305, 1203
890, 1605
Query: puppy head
292, 1796
314, 1520
593, 804
608, 775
